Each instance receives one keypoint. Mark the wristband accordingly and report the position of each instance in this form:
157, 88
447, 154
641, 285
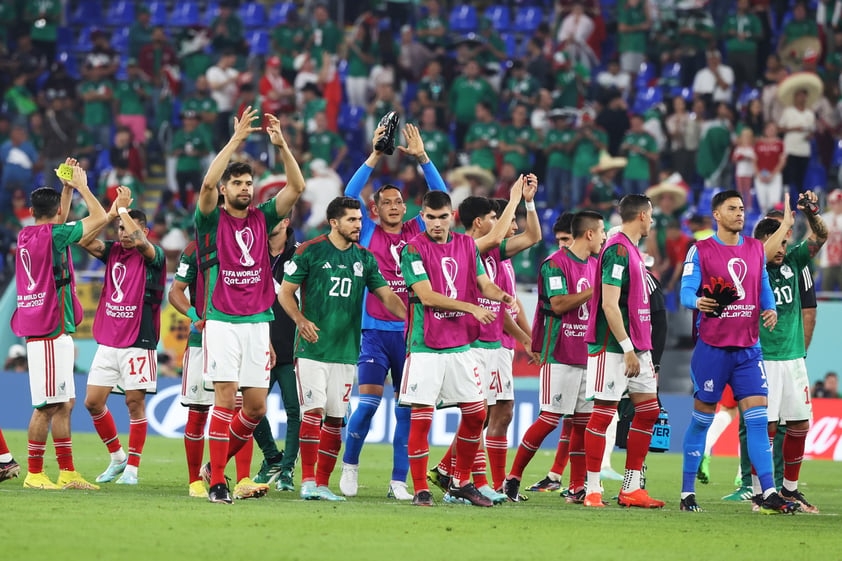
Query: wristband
530, 205
122, 210
191, 313
626, 345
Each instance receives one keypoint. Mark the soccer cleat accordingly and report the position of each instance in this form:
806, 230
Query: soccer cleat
308, 491
495, 497
756, 501
451, 500
9, 470
575, 498
268, 472
741, 494
609, 474
327, 495
703, 474
248, 489
38, 481
775, 504
639, 498
219, 494
72, 480
112, 471
511, 487
469, 492
397, 490
689, 504
284, 482
797, 497
594, 500
348, 483
197, 490
423, 498
546, 485
205, 473
127, 479
439, 479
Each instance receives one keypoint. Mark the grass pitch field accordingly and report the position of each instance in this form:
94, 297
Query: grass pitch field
157, 520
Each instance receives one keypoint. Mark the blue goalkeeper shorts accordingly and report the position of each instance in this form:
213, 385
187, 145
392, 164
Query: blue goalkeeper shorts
713, 367
380, 353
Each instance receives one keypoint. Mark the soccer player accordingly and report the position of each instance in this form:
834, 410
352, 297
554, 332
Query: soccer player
446, 277
383, 349
127, 327
783, 347
725, 279
619, 357
9, 468
236, 278
47, 313
565, 285
333, 272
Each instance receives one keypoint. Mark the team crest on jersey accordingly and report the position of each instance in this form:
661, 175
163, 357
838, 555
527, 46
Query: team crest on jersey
358, 269
786, 271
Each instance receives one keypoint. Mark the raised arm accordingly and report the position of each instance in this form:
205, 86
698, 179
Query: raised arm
773, 243
96, 214
818, 234
285, 200
504, 222
136, 234
360, 177
66, 192
89, 241
532, 234
209, 196
415, 147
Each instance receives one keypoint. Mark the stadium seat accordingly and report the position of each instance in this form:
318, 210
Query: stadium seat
121, 73
253, 14
68, 59
120, 40
499, 17
278, 13
64, 39
645, 99
120, 13
527, 19
747, 95
211, 11
837, 154
463, 19
510, 39
83, 42
184, 14
350, 117
644, 76
258, 42
671, 74
87, 12
816, 177
158, 13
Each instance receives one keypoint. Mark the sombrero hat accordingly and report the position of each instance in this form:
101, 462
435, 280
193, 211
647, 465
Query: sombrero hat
608, 162
808, 81
464, 173
674, 184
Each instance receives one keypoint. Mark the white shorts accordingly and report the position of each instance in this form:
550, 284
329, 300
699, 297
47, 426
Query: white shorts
607, 378
51, 370
789, 390
236, 352
193, 388
563, 389
497, 381
125, 369
324, 385
441, 379
506, 364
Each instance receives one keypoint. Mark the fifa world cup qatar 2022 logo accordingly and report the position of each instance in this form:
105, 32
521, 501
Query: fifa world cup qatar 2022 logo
245, 241
737, 270
450, 270
584, 311
395, 250
26, 263
118, 275
491, 268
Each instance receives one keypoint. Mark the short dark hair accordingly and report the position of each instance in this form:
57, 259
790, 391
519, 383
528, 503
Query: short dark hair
766, 228
435, 200
337, 207
499, 205
584, 221
45, 202
564, 223
139, 216
385, 187
723, 196
472, 208
632, 205
485, 105
236, 169
775, 213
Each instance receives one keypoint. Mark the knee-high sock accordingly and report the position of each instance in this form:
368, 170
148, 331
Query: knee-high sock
793, 455
778, 455
218, 432
137, 438
531, 441
311, 424
35, 460
194, 441
289, 394
720, 422
242, 429
5, 455
579, 422
694, 447
419, 446
479, 469
107, 430
400, 441
562, 453
468, 437
358, 427
64, 453
446, 464
595, 437
330, 441
745, 461
242, 459
759, 449
497, 447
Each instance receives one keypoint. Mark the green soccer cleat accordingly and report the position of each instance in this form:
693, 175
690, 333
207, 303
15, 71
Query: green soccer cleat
284, 481
742, 494
703, 475
268, 473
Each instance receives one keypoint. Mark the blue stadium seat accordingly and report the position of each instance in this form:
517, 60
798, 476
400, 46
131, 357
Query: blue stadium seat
278, 13
253, 14
463, 19
548, 217
671, 73
87, 12
68, 59
64, 39
158, 13
644, 76
258, 42
748, 94
120, 40
510, 39
645, 99
211, 11
120, 13
121, 73
527, 19
499, 17
349, 118
184, 14
816, 177
83, 42
837, 154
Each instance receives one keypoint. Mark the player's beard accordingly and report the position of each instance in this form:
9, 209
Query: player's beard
238, 204
350, 237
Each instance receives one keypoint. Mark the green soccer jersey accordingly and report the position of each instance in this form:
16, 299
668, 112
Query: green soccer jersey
525, 136
553, 283
438, 147
95, 113
527, 87
484, 157
333, 284
324, 145
289, 40
797, 29
194, 146
615, 271
129, 100
357, 67
187, 272
147, 336
751, 29
434, 23
413, 273
586, 153
638, 165
557, 158
206, 227
464, 95
632, 41
786, 340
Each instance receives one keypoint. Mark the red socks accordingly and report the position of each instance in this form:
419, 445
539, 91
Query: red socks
137, 438
793, 450
35, 461
479, 468
107, 430
640, 434
498, 447
595, 437
330, 442
419, 446
194, 441
4, 449
308, 436
446, 464
242, 459
241, 431
531, 441
578, 422
64, 454
218, 442
468, 437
